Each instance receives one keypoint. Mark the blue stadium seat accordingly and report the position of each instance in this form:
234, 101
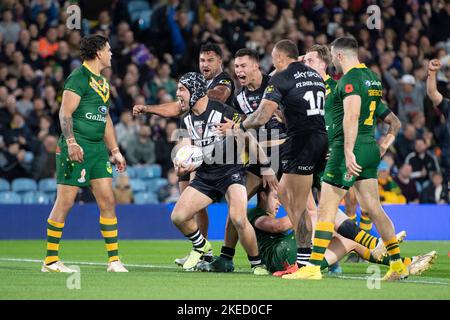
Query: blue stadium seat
145, 198
137, 185
153, 185
137, 6
131, 171
148, 172
35, 198
9, 197
47, 185
4, 185
22, 185
143, 18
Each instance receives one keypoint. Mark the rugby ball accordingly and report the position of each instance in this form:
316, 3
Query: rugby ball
190, 154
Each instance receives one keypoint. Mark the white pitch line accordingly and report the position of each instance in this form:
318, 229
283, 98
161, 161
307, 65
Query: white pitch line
91, 263
407, 281
150, 266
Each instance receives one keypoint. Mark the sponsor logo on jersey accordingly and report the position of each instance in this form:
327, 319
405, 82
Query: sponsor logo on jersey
225, 82
348, 177
103, 109
367, 83
375, 93
270, 89
95, 117
82, 178
348, 88
305, 168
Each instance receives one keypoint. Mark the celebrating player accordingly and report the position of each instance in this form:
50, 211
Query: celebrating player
221, 88
212, 179
82, 158
354, 159
300, 92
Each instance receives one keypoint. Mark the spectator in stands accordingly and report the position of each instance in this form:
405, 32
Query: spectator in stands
390, 193
25, 105
122, 190
141, 149
423, 164
45, 161
125, 129
406, 184
436, 191
170, 192
163, 80
48, 45
164, 146
9, 28
410, 95
13, 162
404, 144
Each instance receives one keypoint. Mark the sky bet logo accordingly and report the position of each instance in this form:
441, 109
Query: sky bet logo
103, 109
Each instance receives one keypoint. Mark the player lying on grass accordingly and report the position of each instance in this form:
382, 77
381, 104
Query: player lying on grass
278, 248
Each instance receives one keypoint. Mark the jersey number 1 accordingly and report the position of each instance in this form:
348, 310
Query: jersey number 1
315, 108
369, 120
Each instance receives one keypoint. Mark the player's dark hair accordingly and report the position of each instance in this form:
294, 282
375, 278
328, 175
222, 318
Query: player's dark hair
214, 47
322, 51
288, 47
91, 45
347, 42
252, 54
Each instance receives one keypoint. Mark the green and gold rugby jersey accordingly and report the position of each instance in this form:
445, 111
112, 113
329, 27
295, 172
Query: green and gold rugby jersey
330, 89
365, 83
89, 119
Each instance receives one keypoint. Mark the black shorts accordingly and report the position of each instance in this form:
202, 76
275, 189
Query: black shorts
275, 155
217, 187
306, 154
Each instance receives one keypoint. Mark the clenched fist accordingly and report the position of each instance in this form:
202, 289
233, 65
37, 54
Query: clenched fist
139, 109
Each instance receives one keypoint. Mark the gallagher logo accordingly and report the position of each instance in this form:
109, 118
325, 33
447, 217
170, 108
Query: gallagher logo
103, 109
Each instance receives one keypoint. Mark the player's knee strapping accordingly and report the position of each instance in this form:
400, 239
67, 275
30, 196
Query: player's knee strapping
54, 234
109, 232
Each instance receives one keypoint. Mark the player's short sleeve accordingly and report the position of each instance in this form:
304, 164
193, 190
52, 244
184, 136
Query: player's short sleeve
76, 83
274, 90
382, 111
224, 80
349, 85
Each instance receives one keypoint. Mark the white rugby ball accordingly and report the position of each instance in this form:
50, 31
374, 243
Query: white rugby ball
190, 154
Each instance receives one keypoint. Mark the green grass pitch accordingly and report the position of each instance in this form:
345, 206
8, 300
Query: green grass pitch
154, 276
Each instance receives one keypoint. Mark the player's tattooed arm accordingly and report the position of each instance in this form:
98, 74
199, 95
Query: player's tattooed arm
352, 109
70, 102
219, 93
394, 127
262, 115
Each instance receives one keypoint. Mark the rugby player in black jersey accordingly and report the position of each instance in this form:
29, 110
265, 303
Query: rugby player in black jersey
300, 92
220, 87
216, 177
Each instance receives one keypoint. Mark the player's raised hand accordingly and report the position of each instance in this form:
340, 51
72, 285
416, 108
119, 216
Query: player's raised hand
139, 109
434, 65
353, 168
75, 151
119, 160
224, 128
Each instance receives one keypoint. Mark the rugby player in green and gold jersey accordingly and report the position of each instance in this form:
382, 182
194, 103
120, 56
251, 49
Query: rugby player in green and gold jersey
354, 158
82, 157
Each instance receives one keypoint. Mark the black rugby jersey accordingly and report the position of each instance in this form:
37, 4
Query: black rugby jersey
247, 101
300, 92
220, 156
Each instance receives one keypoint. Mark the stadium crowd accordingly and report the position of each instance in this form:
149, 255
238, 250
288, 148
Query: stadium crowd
153, 42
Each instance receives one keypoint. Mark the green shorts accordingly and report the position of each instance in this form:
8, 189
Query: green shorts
95, 164
283, 250
367, 156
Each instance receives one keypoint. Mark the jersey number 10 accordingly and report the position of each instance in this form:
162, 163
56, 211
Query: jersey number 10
316, 105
